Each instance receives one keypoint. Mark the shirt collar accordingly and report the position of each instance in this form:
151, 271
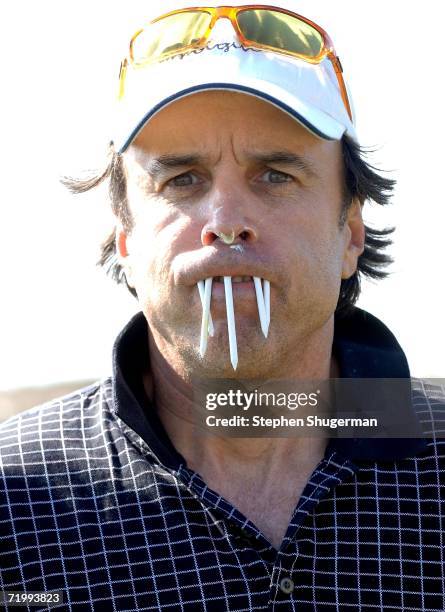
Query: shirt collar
363, 345
366, 348
131, 403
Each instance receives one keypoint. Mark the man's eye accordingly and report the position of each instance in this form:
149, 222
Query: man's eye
275, 176
184, 180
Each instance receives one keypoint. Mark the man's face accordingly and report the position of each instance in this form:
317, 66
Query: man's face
226, 162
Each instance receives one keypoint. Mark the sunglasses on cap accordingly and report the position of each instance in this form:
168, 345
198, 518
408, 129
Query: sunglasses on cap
257, 26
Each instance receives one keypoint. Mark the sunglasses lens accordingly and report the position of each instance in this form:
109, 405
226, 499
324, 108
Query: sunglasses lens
168, 35
280, 31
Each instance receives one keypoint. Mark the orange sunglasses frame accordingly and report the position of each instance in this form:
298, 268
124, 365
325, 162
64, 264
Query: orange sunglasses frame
231, 12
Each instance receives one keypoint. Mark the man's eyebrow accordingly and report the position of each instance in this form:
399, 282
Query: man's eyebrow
160, 165
286, 158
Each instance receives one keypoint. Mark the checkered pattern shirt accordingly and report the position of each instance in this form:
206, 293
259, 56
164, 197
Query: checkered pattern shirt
96, 502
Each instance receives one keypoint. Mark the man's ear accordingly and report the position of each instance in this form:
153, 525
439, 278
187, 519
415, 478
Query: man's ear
354, 229
122, 252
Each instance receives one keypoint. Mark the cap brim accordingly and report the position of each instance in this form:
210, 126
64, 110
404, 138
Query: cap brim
308, 93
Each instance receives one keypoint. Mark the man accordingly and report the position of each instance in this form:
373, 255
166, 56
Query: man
237, 185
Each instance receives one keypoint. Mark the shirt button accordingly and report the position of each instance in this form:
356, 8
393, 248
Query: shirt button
287, 585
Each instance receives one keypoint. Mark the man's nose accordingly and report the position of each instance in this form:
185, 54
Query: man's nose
227, 234
230, 221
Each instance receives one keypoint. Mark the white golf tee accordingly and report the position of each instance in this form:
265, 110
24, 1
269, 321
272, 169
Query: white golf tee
262, 292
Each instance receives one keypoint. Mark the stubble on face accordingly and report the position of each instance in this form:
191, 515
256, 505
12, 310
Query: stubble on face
295, 220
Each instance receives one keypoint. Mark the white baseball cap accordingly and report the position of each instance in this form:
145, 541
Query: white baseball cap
308, 92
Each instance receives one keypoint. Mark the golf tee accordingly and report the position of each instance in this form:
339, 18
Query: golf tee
266, 293
261, 306
231, 321
201, 295
205, 316
262, 292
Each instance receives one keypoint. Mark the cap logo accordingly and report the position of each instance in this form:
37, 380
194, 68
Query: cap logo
221, 46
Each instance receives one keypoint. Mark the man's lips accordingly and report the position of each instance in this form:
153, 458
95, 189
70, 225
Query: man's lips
190, 268
219, 271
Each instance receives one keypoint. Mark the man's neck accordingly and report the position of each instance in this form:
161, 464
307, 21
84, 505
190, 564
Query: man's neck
262, 477
251, 458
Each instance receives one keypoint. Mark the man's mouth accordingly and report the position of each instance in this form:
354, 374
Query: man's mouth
262, 292
235, 279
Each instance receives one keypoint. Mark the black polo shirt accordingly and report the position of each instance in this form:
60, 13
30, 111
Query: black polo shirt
96, 502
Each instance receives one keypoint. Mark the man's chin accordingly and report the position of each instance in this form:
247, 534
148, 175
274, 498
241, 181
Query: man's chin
253, 361
255, 354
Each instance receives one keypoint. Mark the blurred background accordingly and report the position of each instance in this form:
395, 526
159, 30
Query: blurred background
59, 314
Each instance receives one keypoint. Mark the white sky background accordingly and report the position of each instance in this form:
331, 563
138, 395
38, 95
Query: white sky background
59, 314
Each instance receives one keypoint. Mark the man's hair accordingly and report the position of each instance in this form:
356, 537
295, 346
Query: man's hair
361, 181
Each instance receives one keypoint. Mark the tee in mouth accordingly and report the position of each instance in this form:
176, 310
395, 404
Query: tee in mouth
262, 290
